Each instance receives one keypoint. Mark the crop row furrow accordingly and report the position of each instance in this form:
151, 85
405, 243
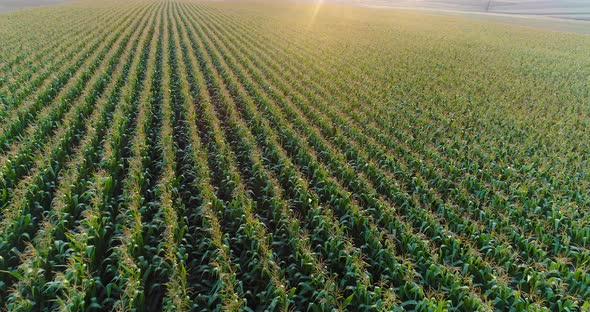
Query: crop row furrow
328, 130
17, 165
23, 214
71, 198
263, 283
348, 91
19, 47
198, 193
137, 210
363, 165
63, 89
33, 85
17, 79
523, 220
93, 262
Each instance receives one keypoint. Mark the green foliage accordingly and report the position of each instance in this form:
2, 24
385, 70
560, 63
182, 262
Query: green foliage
212, 156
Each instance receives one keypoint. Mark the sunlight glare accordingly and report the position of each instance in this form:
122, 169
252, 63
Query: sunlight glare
314, 14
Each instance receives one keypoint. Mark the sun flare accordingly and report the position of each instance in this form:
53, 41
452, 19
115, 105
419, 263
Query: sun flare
314, 14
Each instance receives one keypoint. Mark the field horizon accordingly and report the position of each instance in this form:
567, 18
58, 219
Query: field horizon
567, 17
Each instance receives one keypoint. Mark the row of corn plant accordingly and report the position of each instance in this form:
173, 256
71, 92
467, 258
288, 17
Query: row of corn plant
296, 244
88, 283
177, 292
17, 164
50, 55
62, 89
31, 49
357, 262
50, 249
341, 80
365, 164
210, 156
59, 90
347, 73
15, 81
492, 163
30, 86
16, 45
226, 292
263, 283
36, 191
94, 91
130, 248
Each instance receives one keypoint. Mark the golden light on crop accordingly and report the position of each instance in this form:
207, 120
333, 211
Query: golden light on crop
316, 10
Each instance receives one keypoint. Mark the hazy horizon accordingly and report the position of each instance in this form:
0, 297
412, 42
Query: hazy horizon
571, 9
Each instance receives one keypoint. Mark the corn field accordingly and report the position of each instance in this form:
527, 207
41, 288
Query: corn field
186, 155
